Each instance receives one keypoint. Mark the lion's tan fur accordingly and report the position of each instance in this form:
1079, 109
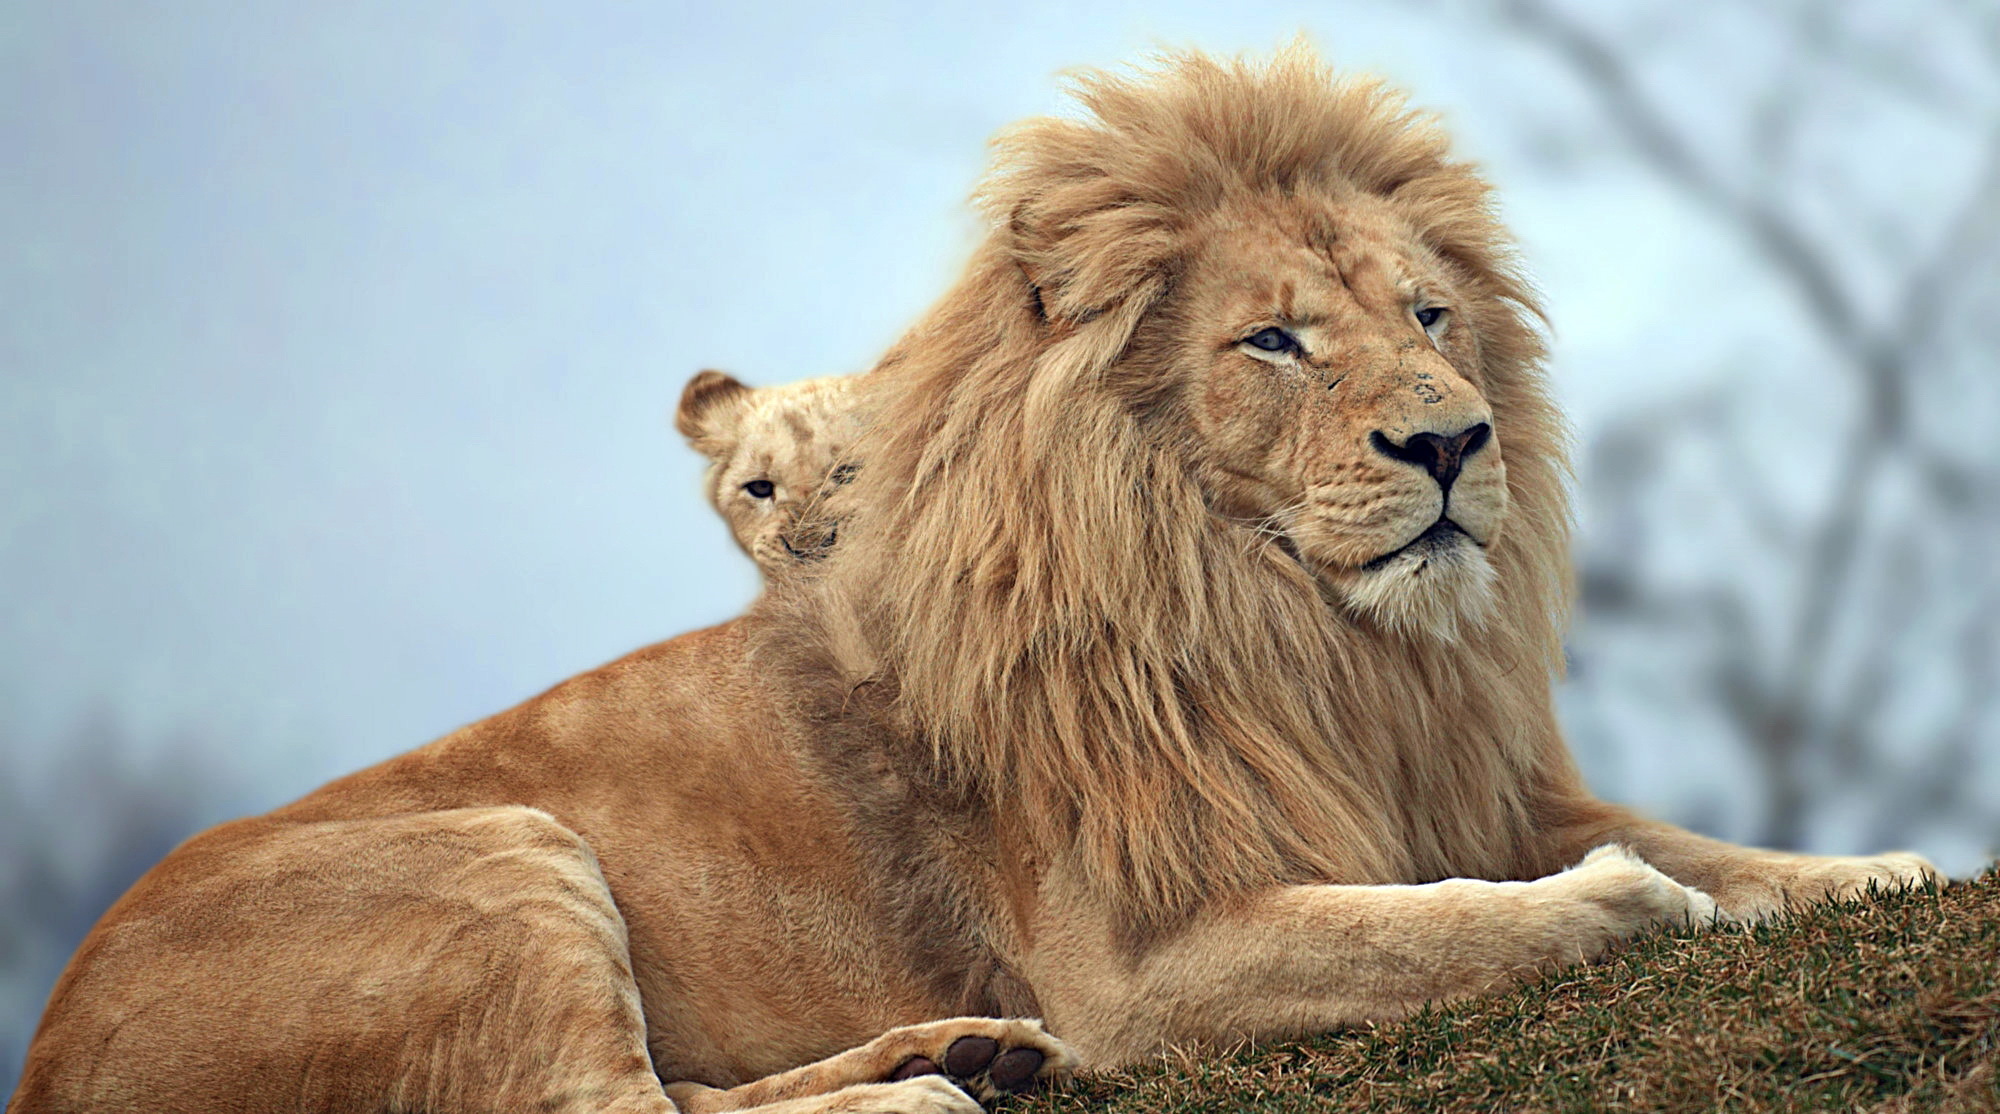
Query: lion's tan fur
1157, 685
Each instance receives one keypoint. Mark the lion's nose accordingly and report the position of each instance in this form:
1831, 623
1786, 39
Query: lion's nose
1440, 454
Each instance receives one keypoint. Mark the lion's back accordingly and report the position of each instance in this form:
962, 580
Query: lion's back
671, 782
662, 716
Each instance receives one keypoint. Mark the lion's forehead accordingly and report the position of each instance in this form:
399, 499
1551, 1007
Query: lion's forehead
1330, 261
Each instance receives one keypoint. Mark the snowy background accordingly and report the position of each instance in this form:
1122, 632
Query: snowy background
339, 344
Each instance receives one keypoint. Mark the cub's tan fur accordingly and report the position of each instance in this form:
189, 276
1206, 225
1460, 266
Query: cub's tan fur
777, 457
1148, 695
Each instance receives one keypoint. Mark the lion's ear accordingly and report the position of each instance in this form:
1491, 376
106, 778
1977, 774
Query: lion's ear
1021, 245
1080, 253
710, 405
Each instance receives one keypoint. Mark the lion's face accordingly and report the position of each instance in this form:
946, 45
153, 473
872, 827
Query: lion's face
779, 460
1329, 376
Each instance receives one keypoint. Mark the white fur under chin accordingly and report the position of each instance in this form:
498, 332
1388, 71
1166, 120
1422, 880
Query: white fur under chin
1442, 593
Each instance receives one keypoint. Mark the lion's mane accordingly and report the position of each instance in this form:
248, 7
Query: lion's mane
1047, 606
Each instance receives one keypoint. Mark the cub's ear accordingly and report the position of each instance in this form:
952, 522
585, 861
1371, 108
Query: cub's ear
710, 405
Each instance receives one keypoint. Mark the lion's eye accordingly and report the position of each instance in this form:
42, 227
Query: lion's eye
1272, 339
761, 489
1431, 317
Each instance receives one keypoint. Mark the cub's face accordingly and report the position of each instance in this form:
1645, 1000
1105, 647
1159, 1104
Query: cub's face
1330, 376
778, 459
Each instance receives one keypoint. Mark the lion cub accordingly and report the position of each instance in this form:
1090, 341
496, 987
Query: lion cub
777, 459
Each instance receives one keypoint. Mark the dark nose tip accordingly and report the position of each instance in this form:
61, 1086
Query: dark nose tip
809, 545
1442, 455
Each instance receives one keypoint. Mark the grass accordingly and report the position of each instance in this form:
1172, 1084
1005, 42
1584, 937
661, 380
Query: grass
1889, 1004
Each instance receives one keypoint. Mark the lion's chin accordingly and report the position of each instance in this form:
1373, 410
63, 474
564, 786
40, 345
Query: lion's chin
1442, 588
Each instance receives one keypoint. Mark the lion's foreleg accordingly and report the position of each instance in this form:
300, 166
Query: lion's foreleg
1746, 882
924, 1094
1306, 959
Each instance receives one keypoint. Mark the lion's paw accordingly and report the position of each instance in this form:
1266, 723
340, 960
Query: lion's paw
985, 1055
1624, 895
1852, 877
1845, 878
1777, 882
925, 1094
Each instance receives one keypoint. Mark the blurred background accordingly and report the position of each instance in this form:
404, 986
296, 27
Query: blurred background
339, 344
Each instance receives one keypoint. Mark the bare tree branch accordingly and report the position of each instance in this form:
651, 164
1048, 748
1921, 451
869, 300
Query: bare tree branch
1790, 711
1784, 245
1775, 123
1891, 360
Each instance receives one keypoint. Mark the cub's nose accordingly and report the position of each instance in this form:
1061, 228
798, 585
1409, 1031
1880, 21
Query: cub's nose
1440, 454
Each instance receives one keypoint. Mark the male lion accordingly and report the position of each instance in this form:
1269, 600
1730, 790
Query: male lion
777, 457
1184, 677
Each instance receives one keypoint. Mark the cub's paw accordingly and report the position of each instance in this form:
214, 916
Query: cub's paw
987, 1056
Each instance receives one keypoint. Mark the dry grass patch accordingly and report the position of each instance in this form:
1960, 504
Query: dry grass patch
1887, 1004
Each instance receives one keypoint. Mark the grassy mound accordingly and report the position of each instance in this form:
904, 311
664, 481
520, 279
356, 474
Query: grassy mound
1886, 1004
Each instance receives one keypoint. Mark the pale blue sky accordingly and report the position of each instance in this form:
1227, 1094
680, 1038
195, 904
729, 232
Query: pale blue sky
339, 339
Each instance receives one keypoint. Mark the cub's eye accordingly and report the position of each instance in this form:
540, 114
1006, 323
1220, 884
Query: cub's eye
846, 473
761, 489
1273, 339
1431, 316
